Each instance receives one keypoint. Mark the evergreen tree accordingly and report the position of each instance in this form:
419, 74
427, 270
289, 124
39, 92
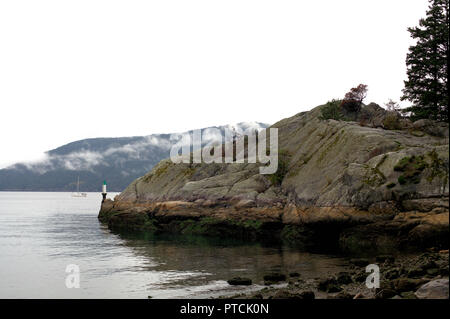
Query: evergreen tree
426, 63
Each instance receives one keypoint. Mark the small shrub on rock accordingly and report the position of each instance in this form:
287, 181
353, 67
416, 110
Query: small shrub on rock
331, 111
353, 99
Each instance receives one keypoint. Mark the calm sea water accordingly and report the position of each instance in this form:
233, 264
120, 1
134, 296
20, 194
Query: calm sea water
42, 233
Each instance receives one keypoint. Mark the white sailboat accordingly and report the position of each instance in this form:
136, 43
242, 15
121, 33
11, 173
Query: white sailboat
77, 193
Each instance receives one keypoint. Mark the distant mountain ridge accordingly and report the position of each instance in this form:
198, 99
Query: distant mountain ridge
119, 161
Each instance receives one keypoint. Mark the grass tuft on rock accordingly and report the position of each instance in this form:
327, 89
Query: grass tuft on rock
283, 163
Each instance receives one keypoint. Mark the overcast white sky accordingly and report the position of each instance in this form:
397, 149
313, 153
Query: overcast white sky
76, 69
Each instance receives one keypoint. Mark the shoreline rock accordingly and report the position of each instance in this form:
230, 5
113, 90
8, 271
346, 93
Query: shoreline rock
346, 186
339, 228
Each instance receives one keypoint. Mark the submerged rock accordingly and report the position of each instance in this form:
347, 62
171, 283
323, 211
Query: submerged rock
236, 281
274, 278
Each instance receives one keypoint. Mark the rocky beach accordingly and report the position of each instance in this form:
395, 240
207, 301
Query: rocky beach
423, 276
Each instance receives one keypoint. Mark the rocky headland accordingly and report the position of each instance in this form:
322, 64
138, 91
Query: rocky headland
375, 181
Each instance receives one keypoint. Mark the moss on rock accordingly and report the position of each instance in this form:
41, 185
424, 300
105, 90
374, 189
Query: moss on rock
411, 167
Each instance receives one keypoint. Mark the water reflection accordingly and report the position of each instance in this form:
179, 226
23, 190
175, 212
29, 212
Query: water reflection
212, 261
